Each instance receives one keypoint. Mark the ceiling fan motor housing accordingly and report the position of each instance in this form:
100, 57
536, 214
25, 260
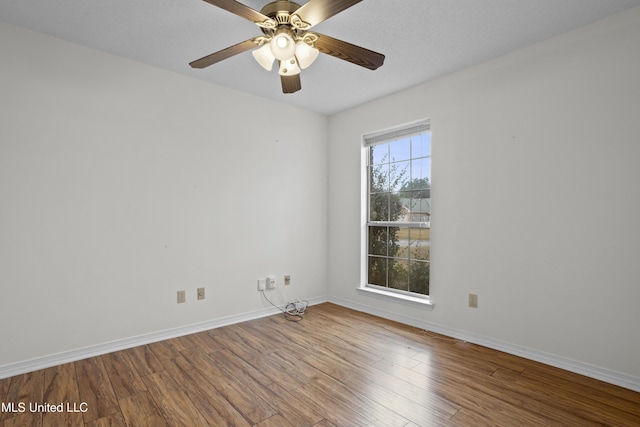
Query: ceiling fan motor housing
280, 10
288, 25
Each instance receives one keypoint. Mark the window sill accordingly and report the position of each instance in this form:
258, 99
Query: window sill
398, 297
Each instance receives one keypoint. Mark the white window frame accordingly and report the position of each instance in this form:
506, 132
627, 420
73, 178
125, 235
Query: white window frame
368, 140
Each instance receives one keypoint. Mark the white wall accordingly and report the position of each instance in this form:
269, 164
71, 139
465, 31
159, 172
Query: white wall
121, 184
536, 204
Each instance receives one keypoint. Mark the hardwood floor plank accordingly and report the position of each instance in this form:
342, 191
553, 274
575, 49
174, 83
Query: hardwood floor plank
163, 350
460, 360
179, 363
144, 360
240, 369
182, 343
246, 336
269, 377
424, 408
467, 417
206, 341
498, 358
398, 345
561, 404
173, 403
243, 399
290, 405
95, 389
124, 378
140, 410
4, 389
26, 388
291, 334
238, 348
264, 327
275, 421
23, 420
61, 386
285, 403
329, 363
350, 351
113, 420
465, 392
332, 410
617, 397
213, 406
287, 370
503, 394
366, 407
387, 348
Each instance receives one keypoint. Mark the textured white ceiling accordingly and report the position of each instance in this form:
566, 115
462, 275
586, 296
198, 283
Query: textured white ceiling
422, 39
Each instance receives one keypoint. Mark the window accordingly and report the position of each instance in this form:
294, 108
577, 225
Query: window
398, 209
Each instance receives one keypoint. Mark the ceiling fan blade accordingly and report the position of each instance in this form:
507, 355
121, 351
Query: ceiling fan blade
240, 9
349, 52
315, 11
223, 54
290, 84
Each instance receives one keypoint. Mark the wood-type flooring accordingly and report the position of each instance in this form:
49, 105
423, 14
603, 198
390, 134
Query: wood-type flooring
336, 367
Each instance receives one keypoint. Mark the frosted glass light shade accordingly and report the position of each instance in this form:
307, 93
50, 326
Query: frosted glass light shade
305, 54
289, 67
264, 57
283, 46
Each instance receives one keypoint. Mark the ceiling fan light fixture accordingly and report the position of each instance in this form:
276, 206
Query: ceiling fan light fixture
289, 67
305, 54
282, 45
284, 24
264, 57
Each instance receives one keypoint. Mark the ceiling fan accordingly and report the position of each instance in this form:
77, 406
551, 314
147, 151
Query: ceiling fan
286, 38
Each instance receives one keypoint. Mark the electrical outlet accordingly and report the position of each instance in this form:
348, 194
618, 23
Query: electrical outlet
262, 284
181, 297
287, 280
271, 282
473, 300
200, 293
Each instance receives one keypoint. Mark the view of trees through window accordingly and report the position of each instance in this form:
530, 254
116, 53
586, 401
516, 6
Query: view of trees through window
399, 209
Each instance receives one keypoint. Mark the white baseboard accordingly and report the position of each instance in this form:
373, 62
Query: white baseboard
18, 368
606, 375
609, 376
